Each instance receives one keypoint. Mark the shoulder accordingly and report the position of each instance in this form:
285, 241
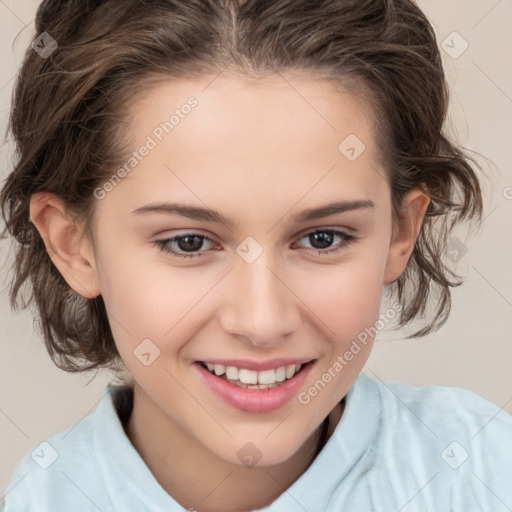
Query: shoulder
415, 448
460, 439
61, 472
446, 409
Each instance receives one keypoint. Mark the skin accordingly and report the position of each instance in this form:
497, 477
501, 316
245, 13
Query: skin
259, 154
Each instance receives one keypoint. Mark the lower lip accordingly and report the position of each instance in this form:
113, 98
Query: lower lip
255, 400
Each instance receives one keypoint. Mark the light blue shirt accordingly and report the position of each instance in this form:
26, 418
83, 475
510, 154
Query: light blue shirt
396, 448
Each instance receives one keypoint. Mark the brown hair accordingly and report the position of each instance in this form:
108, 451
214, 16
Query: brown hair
67, 122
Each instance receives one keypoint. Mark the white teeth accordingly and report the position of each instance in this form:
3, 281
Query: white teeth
280, 374
290, 371
232, 372
247, 376
267, 377
251, 378
219, 369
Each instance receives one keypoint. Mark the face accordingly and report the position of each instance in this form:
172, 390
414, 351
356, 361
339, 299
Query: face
280, 282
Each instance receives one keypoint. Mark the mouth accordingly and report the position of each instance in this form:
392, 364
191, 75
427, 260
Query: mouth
254, 391
252, 379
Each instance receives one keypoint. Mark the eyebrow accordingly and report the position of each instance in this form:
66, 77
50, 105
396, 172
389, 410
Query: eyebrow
209, 215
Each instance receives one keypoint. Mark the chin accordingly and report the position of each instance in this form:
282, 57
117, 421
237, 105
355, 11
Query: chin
258, 451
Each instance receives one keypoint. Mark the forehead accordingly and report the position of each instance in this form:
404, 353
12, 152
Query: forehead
280, 136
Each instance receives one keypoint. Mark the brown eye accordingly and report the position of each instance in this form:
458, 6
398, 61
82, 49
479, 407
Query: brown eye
187, 243
322, 239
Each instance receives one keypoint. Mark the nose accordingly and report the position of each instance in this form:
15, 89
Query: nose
260, 305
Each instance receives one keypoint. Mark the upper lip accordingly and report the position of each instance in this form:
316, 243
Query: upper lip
258, 365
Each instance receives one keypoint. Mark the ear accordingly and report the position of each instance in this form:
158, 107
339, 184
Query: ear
72, 254
405, 233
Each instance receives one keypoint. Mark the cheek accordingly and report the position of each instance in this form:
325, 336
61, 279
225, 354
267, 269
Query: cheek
147, 299
346, 297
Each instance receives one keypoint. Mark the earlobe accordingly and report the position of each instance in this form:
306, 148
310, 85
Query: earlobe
71, 253
404, 237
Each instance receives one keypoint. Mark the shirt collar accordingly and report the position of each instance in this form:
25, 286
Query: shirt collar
354, 435
124, 471
126, 474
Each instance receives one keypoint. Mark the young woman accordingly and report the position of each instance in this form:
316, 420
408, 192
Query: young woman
212, 198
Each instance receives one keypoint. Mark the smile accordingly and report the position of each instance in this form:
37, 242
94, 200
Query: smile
254, 391
252, 379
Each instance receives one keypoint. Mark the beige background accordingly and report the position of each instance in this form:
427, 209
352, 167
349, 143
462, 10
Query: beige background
472, 350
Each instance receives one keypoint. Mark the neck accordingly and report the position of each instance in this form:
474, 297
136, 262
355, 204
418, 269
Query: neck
175, 458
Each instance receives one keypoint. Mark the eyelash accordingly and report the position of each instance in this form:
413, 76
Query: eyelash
348, 239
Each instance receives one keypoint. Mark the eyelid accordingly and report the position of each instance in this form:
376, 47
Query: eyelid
345, 229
